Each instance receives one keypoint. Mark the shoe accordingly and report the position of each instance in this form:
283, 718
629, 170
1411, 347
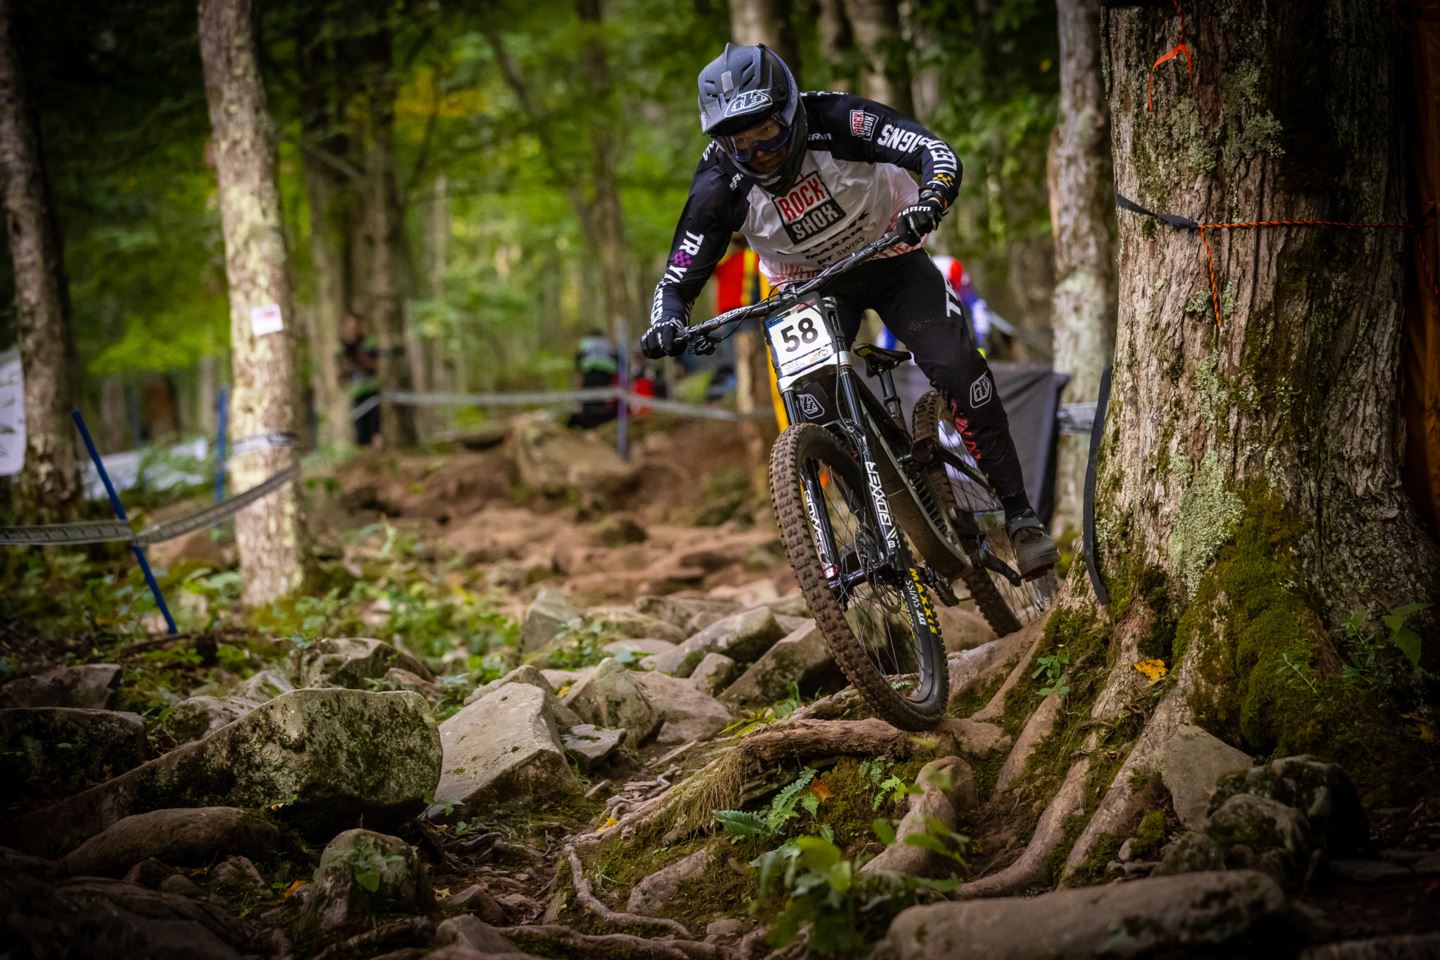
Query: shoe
1035, 552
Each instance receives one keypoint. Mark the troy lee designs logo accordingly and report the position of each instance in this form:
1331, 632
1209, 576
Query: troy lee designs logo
808, 208
882, 506
897, 138
753, 100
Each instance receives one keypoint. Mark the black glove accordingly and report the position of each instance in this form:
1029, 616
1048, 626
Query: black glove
665, 338
920, 218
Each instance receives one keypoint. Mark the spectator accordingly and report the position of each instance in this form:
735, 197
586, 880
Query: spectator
597, 364
360, 355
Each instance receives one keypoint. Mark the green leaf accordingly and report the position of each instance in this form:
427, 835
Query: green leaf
884, 829
369, 880
743, 825
1409, 643
817, 853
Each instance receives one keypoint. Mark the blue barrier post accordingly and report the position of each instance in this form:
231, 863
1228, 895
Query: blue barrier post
222, 419
622, 412
120, 512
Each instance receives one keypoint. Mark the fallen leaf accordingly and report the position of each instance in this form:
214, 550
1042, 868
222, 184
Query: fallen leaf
563, 690
821, 791
607, 824
290, 890
1152, 668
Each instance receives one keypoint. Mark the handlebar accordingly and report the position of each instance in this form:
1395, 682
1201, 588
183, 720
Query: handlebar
699, 333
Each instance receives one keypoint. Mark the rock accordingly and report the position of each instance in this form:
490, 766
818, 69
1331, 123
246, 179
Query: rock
54, 751
975, 738
800, 657
742, 637
1321, 791
363, 874
691, 614
611, 697
649, 896
725, 930
690, 713
748, 595
554, 461
189, 837
91, 686
591, 746
1198, 913
181, 886
1191, 852
474, 933
241, 885
1264, 834
263, 687
351, 661
1370, 871
398, 678
1191, 763
947, 790
474, 900
318, 758
547, 616
201, 716
525, 674
625, 623
1428, 865
150, 873
504, 745
714, 673
104, 919
1422, 946
637, 648
616, 531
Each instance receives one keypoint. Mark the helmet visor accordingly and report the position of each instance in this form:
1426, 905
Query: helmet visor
768, 137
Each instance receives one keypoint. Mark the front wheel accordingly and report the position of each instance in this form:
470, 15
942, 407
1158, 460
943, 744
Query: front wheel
870, 605
974, 508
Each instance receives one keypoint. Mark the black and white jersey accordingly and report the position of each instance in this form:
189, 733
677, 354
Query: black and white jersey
848, 193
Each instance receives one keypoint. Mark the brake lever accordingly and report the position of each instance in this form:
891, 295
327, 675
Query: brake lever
703, 345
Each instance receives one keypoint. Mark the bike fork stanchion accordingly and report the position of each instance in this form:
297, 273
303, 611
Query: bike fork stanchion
120, 513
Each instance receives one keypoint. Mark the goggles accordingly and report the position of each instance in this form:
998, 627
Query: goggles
769, 136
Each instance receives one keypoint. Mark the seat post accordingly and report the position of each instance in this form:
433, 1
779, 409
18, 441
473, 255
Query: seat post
888, 395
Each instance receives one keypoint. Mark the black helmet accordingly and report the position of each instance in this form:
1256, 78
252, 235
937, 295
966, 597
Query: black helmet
745, 88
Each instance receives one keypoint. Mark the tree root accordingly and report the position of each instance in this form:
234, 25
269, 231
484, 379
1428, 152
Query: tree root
1040, 725
1029, 641
977, 666
594, 905
402, 933
612, 946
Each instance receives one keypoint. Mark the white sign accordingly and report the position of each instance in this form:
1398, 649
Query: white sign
266, 319
12, 413
800, 340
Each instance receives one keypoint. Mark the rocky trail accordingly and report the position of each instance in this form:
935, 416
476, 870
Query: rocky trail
657, 760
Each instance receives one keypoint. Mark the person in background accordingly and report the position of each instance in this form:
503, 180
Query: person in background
360, 359
597, 364
976, 309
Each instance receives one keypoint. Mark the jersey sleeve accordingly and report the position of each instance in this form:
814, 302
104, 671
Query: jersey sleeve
714, 210
860, 129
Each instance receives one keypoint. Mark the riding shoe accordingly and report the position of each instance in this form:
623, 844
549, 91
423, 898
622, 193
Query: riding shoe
1035, 552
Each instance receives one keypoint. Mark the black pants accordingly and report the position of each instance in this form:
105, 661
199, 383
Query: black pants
916, 304
367, 425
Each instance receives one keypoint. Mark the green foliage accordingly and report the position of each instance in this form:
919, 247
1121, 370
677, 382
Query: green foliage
1405, 639
1052, 666
793, 798
744, 825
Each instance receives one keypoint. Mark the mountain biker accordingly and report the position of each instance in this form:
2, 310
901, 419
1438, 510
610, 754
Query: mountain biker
809, 178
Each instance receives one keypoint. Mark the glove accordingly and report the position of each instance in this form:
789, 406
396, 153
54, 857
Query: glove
665, 338
920, 218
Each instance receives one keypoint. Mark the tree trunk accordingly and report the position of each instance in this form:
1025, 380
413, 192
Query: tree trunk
1081, 189
920, 37
767, 22
885, 75
397, 423
836, 43
48, 489
323, 186
268, 534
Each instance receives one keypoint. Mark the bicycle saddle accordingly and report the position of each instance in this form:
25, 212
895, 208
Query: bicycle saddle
878, 359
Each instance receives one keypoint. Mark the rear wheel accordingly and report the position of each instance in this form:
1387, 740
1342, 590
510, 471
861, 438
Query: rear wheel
881, 628
979, 518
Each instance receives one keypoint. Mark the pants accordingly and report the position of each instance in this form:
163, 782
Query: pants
367, 426
912, 298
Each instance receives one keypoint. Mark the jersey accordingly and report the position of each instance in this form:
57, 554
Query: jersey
848, 193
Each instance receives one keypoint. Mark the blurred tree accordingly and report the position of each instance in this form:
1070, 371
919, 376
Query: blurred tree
48, 488
269, 534
767, 22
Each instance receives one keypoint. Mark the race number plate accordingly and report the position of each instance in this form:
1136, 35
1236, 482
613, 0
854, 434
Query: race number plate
799, 340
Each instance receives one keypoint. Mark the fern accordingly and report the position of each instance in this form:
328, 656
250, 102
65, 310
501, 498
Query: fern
743, 825
782, 808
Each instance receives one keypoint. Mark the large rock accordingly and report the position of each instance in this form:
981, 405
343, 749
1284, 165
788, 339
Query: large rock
263, 687
1227, 913
502, 746
1263, 834
565, 718
714, 673
192, 836
43, 914
612, 697
319, 758
554, 461
742, 637
201, 716
474, 935
350, 661
364, 874
800, 657
691, 614
92, 686
1191, 762
1319, 790
625, 623
592, 746
53, 751
547, 616
690, 713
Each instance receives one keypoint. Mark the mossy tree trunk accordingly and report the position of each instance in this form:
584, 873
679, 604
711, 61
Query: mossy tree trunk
1248, 498
1081, 200
48, 489
269, 534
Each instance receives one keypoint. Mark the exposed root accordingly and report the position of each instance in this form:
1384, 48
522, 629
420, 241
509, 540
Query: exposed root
1040, 725
612, 946
1033, 635
594, 905
1030, 869
401, 933
977, 666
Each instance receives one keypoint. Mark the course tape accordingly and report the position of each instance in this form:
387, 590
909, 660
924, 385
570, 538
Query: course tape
263, 441
561, 397
109, 531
